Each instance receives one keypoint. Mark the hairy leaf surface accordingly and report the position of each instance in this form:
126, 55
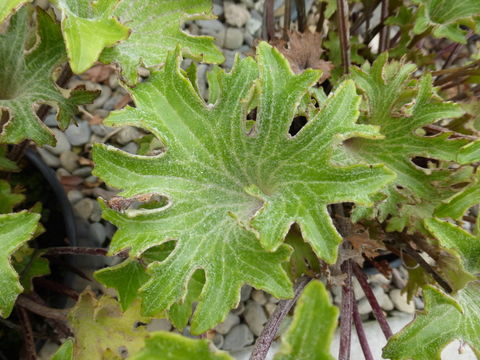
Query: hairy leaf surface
15, 230
446, 16
224, 183
401, 107
311, 332
143, 31
26, 79
444, 319
176, 347
7, 7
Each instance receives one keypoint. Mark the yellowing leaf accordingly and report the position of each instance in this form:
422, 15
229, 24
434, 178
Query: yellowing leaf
26, 79
7, 7
15, 230
227, 185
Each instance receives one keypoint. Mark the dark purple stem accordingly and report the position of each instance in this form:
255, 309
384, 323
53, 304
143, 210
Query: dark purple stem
377, 310
269, 20
265, 339
344, 32
346, 313
72, 250
362, 338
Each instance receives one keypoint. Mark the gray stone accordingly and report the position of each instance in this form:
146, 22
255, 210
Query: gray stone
74, 196
96, 214
49, 159
217, 9
236, 14
418, 303
255, 317
359, 294
245, 293
110, 228
210, 25
400, 302
98, 233
84, 171
61, 172
78, 135
101, 130
159, 325
218, 341
105, 94
239, 309
364, 307
131, 148
51, 120
233, 38
62, 144
379, 279
227, 324
91, 180
272, 299
238, 338
84, 208
127, 134
69, 160
270, 308
114, 100
259, 297
253, 26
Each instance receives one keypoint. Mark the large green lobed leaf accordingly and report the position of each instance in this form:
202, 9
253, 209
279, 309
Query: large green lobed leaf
228, 187
26, 78
15, 230
7, 7
133, 32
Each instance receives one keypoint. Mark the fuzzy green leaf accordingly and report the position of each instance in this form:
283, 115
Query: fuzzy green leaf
446, 16
133, 32
88, 28
176, 347
8, 199
15, 230
5, 163
217, 177
311, 332
455, 238
390, 92
444, 319
26, 79
65, 351
7, 7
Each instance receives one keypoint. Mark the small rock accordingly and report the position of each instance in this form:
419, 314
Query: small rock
84, 171
69, 160
218, 341
272, 299
127, 134
84, 208
101, 130
255, 317
159, 325
114, 100
236, 14
110, 228
98, 233
49, 159
91, 180
400, 302
379, 279
62, 144
130, 148
259, 297
239, 309
270, 308
78, 135
253, 26
209, 26
238, 338
227, 324
96, 214
51, 120
233, 38
74, 196
61, 172
105, 94
364, 307
418, 303
217, 10
357, 288
245, 293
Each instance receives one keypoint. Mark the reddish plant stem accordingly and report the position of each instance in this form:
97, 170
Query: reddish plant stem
346, 313
377, 310
344, 32
362, 338
385, 32
67, 250
269, 20
286, 19
28, 340
265, 339
301, 15
58, 288
42, 310
321, 19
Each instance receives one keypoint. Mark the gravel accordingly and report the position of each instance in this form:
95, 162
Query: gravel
239, 337
78, 135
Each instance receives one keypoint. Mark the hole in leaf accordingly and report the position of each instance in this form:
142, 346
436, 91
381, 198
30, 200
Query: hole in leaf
4, 117
145, 201
297, 124
425, 163
327, 86
159, 252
